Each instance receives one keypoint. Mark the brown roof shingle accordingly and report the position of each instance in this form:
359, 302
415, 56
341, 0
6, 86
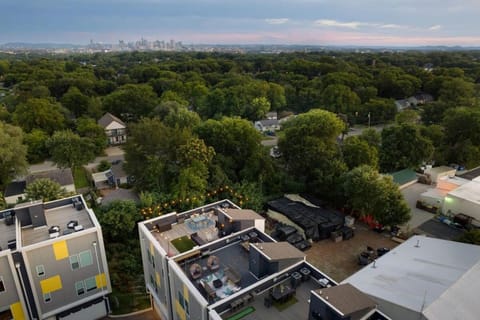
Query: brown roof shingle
347, 299
278, 250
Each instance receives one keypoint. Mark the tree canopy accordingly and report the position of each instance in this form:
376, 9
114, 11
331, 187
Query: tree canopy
13, 153
45, 189
373, 194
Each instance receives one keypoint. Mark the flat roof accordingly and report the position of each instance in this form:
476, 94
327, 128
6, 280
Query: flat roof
460, 301
440, 169
57, 213
261, 291
278, 250
242, 214
471, 174
200, 222
346, 298
63, 177
469, 191
415, 276
57, 216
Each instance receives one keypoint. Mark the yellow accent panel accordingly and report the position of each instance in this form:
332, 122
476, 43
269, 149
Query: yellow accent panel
157, 279
60, 249
181, 313
51, 284
17, 311
151, 249
185, 293
101, 280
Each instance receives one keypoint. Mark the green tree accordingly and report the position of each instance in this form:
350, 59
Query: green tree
76, 102
167, 160
470, 236
69, 150
104, 165
118, 220
407, 116
457, 91
258, 108
372, 137
377, 110
310, 150
36, 143
45, 189
39, 114
358, 152
402, 147
3, 204
131, 101
237, 146
13, 153
90, 130
462, 136
339, 98
370, 193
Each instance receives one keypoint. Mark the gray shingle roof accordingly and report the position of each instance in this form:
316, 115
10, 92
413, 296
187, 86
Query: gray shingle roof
109, 118
62, 176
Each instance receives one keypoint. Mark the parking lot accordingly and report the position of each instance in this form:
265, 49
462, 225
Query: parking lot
412, 194
339, 260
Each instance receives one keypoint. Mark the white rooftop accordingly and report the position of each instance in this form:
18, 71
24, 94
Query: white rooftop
469, 191
455, 180
420, 278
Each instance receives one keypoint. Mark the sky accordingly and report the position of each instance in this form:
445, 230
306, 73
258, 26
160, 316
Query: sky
313, 22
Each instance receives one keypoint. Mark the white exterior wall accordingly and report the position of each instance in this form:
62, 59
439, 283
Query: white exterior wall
13, 199
114, 125
454, 205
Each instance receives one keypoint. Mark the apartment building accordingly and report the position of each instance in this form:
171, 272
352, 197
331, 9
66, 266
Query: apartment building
52, 262
216, 262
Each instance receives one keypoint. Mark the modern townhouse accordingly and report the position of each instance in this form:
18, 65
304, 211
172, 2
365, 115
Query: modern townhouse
52, 262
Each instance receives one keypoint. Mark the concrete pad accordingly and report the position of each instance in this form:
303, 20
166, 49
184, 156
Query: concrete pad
412, 194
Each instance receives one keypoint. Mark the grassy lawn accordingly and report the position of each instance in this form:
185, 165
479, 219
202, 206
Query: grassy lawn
183, 244
241, 314
80, 178
123, 303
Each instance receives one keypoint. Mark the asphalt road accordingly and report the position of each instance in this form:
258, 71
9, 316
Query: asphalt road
111, 154
411, 195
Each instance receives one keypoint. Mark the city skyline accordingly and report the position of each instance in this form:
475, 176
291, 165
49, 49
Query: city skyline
304, 22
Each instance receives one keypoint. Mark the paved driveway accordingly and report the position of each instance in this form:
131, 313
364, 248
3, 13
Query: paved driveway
412, 194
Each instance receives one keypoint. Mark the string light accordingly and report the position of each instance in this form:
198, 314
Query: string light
156, 210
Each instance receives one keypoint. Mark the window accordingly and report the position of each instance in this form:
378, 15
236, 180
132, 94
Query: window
86, 258
40, 270
2, 285
47, 297
74, 262
91, 284
79, 287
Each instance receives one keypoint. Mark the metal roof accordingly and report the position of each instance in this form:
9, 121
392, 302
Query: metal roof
416, 276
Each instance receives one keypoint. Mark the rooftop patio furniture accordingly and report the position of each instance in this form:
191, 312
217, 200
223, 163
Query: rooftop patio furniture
232, 275
195, 271
213, 262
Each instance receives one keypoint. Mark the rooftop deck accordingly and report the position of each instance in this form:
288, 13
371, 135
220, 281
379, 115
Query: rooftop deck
60, 217
200, 228
232, 270
263, 306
